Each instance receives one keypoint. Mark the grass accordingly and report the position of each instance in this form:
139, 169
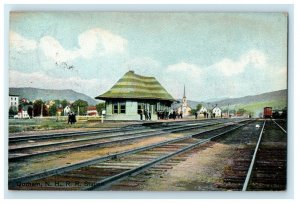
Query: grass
257, 107
53, 123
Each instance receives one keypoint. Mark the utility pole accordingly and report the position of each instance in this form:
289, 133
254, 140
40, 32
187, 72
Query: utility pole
228, 111
78, 111
41, 110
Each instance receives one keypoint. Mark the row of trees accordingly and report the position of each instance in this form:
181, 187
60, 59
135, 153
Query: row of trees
39, 106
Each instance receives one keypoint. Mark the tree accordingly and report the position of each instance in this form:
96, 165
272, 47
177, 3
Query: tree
30, 110
193, 111
64, 103
100, 107
12, 111
82, 107
199, 106
52, 110
37, 105
241, 111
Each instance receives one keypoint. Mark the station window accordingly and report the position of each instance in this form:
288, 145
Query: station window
119, 107
122, 107
115, 107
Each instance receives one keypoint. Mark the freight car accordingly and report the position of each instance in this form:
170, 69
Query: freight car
268, 112
279, 114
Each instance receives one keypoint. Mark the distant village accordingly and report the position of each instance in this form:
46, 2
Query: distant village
23, 108
133, 97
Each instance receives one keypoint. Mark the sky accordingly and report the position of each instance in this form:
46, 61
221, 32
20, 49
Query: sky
215, 55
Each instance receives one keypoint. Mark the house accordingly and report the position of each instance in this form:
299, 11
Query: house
67, 110
59, 111
92, 111
202, 112
136, 97
23, 112
185, 109
216, 112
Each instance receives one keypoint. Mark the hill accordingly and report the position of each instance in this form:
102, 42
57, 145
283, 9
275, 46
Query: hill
252, 103
269, 96
48, 94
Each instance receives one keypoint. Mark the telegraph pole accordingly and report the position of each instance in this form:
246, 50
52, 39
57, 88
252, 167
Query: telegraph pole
41, 110
228, 111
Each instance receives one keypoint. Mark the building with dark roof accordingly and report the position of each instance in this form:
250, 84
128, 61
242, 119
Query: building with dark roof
134, 97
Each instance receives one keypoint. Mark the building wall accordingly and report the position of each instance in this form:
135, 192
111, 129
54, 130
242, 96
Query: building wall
13, 101
131, 110
217, 112
186, 110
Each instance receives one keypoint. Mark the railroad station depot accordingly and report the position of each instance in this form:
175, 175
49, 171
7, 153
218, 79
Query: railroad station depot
135, 96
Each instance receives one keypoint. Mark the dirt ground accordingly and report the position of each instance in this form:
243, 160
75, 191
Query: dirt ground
202, 170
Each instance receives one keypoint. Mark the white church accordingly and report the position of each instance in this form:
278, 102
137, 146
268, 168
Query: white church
185, 109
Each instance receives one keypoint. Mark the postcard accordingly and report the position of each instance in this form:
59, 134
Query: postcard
148, 101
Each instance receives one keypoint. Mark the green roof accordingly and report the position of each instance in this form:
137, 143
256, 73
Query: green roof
133, 86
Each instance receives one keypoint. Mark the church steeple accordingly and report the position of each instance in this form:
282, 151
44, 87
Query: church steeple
184, 91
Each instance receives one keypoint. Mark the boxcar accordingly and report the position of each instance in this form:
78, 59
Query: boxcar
268, 112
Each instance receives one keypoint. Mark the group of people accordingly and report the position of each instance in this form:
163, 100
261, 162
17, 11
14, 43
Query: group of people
145, 113
163, 115
71, 117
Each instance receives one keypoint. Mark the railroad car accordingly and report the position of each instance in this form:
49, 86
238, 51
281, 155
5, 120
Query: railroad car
268, 112
279, 114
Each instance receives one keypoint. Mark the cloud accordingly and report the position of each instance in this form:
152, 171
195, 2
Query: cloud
20, 43
187, 69
97, 39
91, 43
91, 87
229, 67
54, 50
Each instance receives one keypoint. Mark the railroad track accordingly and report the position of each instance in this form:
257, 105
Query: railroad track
282, 124
259, 167
100, 173
24, 138
269, 172
22, 152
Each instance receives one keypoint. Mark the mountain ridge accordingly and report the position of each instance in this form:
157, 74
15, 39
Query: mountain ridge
246, 100
71, 95
32, 93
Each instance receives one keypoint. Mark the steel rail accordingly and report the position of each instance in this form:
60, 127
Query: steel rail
249, 173
109, 136
72, 134
61, 135
63, 169
110, 180
279, 125
59, 170
102, 144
